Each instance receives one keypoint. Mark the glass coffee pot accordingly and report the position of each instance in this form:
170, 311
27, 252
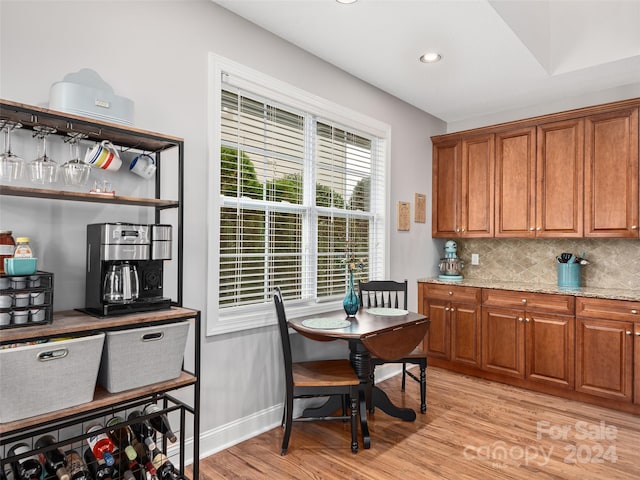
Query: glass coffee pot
121, 283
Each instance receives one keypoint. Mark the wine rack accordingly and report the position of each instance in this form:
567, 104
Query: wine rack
68, 425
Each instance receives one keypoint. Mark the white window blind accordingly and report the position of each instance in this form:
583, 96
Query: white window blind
297, 189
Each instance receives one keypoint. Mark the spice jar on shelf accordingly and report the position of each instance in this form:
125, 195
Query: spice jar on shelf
23, 248
7, 246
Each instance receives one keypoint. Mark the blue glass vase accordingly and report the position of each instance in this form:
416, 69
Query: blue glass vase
351, 301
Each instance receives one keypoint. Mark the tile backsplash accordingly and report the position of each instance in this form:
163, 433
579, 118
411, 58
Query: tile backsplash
615, 263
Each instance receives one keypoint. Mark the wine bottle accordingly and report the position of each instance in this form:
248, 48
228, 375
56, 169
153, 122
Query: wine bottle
77, 468
143, 430
25, 468
99, 468
144, 459
7, 472
54, 461
122, 435
101, 445
159, 422
164, 468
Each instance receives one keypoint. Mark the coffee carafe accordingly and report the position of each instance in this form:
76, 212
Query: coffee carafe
121, 283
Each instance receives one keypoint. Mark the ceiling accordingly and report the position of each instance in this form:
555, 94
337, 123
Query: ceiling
497, 55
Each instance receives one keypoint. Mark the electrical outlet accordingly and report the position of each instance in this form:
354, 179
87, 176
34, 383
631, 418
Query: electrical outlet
475, 259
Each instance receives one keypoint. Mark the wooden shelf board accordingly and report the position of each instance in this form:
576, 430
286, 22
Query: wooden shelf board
126, 136
101, 399
76, 322
84, 197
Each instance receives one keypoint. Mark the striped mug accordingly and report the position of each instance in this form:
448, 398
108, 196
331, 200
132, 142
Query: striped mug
103, 155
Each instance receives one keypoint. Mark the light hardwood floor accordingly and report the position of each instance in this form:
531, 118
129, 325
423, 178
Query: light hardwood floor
473, 429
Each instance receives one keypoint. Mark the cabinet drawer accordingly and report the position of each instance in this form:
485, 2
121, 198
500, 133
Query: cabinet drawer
533, 302
453, 293
608, 309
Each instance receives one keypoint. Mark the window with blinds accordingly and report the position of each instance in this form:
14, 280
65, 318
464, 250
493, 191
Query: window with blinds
297, 191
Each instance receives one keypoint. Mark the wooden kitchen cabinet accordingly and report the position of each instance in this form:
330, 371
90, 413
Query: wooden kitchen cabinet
446, 157
611, 175
529, 336
604, 339
562, 175
454, 331
463, 187
503, 341
559, 178
515, 177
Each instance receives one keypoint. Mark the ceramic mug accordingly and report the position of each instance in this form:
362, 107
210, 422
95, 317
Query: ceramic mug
143, 165
103, 155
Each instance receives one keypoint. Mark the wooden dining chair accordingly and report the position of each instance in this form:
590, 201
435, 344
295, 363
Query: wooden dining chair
319, 378
392, 294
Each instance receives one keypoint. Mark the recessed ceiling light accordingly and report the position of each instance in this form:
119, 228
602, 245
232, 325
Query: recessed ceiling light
431, 57
346, 1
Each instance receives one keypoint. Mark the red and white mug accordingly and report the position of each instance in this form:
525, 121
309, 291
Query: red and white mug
103, 155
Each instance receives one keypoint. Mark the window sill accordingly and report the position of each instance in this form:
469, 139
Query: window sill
263, 316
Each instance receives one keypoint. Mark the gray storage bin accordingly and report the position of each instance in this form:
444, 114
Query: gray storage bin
50, 376
141, 356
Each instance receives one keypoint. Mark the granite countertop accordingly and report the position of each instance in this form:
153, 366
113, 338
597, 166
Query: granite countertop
609, 293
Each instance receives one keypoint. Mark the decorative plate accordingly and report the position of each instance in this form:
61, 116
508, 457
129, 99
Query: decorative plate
325, 323
387, 312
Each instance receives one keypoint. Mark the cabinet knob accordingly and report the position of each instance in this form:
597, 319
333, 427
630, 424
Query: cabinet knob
531, 229
446, 309
527, 319
452, 309
520, 319
635, 312
457, 229
634, 227
637, 334
462, 229
628, 332
524, 300
538, 229
450, 293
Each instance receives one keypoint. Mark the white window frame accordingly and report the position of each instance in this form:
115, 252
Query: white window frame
262, 315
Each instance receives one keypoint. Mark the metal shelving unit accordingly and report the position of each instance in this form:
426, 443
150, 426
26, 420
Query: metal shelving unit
74, 322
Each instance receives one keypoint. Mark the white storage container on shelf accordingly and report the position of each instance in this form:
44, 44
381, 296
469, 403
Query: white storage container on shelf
46, 377
138, 357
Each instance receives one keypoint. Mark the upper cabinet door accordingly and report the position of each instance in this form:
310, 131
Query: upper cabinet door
559, 179
611, 175
477, 187
446, 157
515, 178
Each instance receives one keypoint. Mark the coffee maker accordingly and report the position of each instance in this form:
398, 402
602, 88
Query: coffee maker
125, 268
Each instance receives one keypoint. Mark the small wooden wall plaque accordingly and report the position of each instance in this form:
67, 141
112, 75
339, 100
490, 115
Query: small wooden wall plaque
421, 208
404, 216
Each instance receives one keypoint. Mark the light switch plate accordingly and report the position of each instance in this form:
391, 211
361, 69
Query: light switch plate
475, 259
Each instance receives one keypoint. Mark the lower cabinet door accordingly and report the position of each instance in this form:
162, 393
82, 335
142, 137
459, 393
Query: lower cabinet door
503, 341
438, 339
550, 349
465, 334
604, 358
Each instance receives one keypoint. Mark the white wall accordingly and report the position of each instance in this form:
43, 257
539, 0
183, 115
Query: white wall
156, 54
623, 92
